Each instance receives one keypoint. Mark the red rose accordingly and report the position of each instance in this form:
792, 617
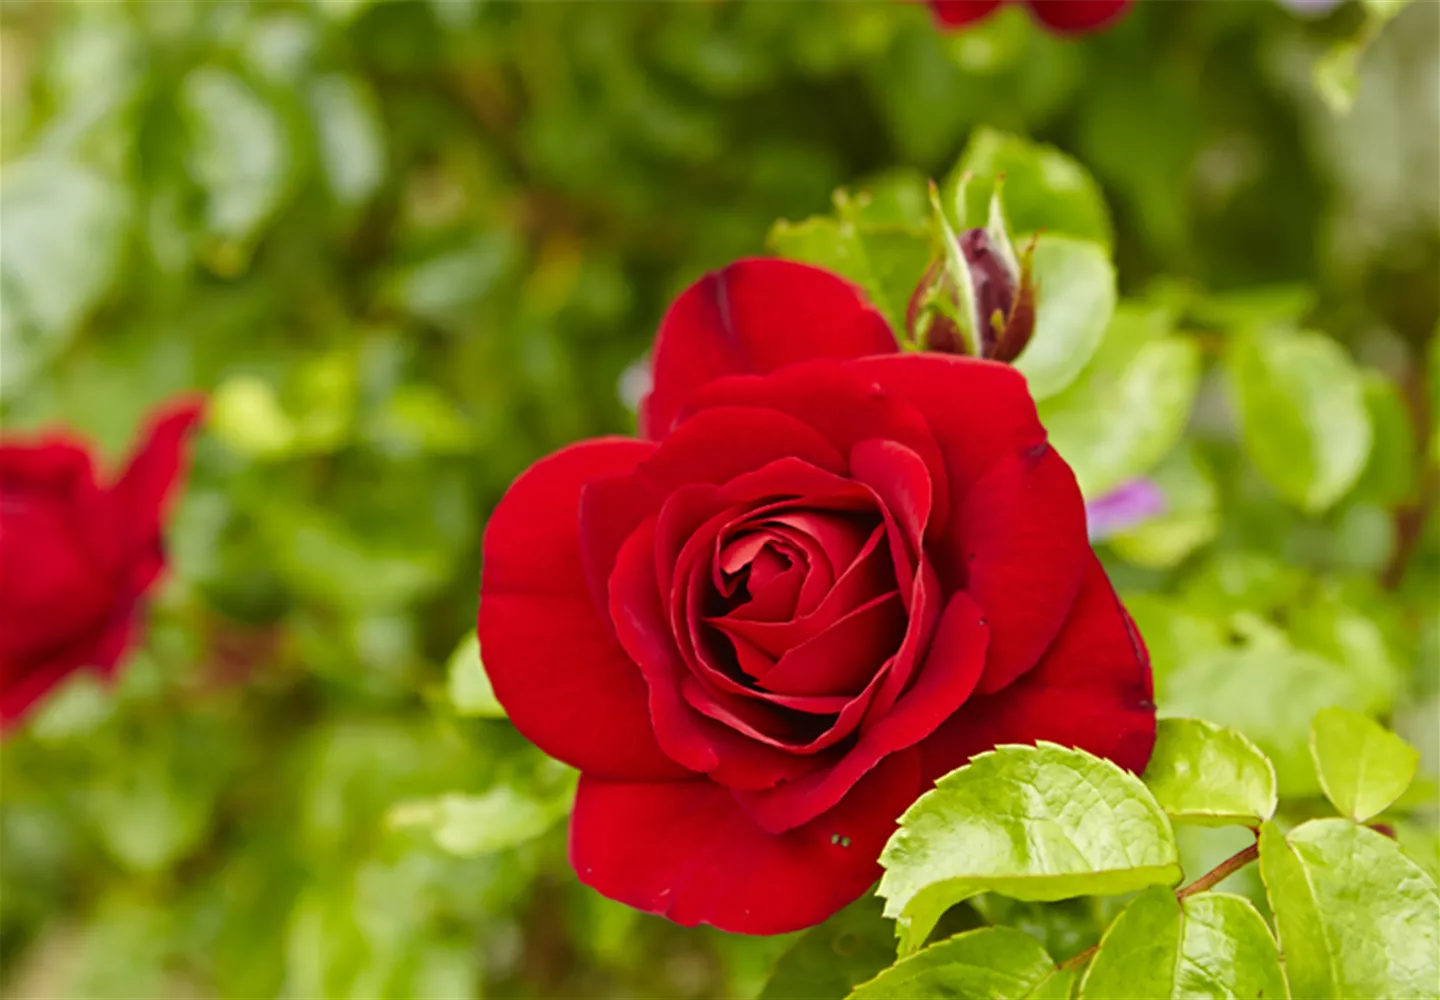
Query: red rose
75, 559
832, 574
1063, 17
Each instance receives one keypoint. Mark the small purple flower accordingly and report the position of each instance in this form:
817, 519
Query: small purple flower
1127, 506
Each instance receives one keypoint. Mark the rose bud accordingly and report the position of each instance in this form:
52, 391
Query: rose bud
980, 298
827, 574
1061, 17
76, 558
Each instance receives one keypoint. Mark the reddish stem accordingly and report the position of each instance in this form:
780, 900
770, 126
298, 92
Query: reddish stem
1205, 882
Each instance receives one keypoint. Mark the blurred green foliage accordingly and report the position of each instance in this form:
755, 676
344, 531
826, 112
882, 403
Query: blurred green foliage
411, 246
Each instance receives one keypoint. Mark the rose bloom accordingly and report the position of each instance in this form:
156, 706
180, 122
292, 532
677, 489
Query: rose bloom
828, 574
1062, 17
75, 557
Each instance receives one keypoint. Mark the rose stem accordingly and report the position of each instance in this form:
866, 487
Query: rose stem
1209, 880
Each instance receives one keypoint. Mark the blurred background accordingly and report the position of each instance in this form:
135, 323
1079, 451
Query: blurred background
409, 247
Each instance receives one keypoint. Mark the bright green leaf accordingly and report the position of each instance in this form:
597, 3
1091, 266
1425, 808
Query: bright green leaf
1129, 406
1356, 917
1207, 774
1362, 766
1044, 188
245, 414
64, 235
1210, 945
1075, 298
239, 152
828, 961
888, 261
1267, 690
467, 683
984, 964
1384, 10
352, 145
1389, 475
1302, 414
1032, 823
505, 816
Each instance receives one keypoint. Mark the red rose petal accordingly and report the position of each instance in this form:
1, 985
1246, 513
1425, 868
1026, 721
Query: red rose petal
956, 13
845, 407
869, 575
1076, 16
951, 668
1091, 690
686, 851
144, 489
551, 654
978, 411
719, 444
754, 317
901, 480
644, 630
1021, 532
844, 657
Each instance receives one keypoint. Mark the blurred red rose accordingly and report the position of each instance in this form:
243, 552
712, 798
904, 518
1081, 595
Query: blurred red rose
1060, 16
830, 574
76, 558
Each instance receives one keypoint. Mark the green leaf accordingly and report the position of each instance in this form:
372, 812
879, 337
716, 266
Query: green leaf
887, 261
984, 964
1174, 633
1203, 773
1064, 928
65, 231
1267, 690
1362, 767
1129, 406
239, 152
1302, 412
1253, 308
1044, 188
1384, 10
1075, 298
1356, 917
352, 144
1337, 75
246, 415
1389, 475
1031, 823
467, 683
1191, 518
828, 961
1209, 945
1353, 623
504, 816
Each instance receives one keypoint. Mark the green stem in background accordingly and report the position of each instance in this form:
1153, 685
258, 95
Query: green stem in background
1204, 883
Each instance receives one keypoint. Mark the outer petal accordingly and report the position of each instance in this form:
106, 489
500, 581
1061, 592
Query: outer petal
978, 411
1091, 690
550, 652
956, 13
141, 495
687, 851
1077, 16
1021, 533
751, 318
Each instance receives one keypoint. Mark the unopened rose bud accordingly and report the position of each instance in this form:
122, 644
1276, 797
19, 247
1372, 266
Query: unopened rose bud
994, 286
929, 328
978, 299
